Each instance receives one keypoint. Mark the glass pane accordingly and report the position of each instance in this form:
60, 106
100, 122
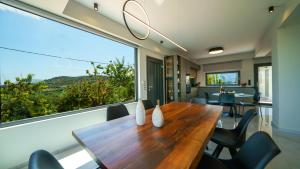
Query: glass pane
265, 83
223, 78
48, 67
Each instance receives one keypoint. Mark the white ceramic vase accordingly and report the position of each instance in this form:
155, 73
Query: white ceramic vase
157, 117
140, 113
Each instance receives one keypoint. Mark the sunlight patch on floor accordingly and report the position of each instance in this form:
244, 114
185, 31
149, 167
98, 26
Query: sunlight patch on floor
75, 160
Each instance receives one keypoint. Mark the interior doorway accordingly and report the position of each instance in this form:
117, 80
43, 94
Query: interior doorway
155, 80
263, 82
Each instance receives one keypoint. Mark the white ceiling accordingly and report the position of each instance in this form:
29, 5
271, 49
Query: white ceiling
197, 25
54, 6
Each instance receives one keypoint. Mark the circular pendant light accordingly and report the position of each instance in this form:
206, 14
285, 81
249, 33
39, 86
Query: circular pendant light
128, 2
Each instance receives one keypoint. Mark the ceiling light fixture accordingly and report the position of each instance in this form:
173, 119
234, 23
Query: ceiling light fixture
216, 50
145, 24
147, 20
271, 9
96, 6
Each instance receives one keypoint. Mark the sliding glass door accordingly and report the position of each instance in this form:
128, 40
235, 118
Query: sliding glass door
265, 83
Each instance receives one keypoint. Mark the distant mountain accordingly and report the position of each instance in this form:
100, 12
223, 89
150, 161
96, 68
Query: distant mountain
63, 81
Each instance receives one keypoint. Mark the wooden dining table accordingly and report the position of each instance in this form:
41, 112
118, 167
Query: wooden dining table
179, 144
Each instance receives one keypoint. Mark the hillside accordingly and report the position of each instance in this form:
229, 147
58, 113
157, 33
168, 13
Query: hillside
62, 81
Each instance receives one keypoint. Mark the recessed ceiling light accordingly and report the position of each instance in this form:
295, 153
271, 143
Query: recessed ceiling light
271, 9
96, 6
216, 50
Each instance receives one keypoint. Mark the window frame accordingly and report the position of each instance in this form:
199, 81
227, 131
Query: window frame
68, 22
236, 71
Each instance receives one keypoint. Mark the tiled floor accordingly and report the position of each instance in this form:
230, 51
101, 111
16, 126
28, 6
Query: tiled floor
289, 158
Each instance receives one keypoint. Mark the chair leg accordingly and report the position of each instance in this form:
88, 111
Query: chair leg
217, 151
261, 116
235, 113
231, 111
232, 152
235, 109
243, 109
259, 109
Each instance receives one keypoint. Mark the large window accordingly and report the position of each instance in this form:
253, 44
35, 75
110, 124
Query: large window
223, 78
47, 67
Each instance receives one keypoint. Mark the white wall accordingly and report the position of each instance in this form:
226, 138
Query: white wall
246, 66
18, 142
246, 72
274, 37
286, 72
265, 45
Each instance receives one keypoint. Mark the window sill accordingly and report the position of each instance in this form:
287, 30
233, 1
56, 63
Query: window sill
54, 116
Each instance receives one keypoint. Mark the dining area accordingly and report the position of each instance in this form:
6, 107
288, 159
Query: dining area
173, 135
235, 100
91, 84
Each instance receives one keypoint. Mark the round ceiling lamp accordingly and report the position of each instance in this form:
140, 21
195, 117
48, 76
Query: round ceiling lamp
216, 50
133, 2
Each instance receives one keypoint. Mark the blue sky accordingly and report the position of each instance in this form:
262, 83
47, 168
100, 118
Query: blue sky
24, 31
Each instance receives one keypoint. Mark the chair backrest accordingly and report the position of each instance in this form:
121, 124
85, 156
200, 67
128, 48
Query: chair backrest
227, 98
116, 111
257, 152
148, 104
206, 95
42, 159
198, 100
256, 97
241, 129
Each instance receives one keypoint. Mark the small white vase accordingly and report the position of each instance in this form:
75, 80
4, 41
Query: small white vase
140, 113
157, 117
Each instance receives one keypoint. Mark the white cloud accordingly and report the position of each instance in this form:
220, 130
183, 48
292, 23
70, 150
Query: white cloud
17, 11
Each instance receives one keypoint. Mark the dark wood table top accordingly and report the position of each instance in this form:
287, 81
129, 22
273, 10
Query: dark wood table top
178, 144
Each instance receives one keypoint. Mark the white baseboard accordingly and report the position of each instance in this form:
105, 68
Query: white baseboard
285, 131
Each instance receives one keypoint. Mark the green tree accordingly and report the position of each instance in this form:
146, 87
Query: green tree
104, 85
23, 99
121, 78
110, 84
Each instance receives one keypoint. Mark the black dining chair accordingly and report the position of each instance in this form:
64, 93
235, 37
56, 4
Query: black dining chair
198, 100
42, 159
256, 153
208, 101
228, 100
116, 111
148, 104
256, 99
232, 138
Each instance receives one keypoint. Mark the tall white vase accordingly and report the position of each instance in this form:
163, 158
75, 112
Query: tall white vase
140, 114
157, 117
